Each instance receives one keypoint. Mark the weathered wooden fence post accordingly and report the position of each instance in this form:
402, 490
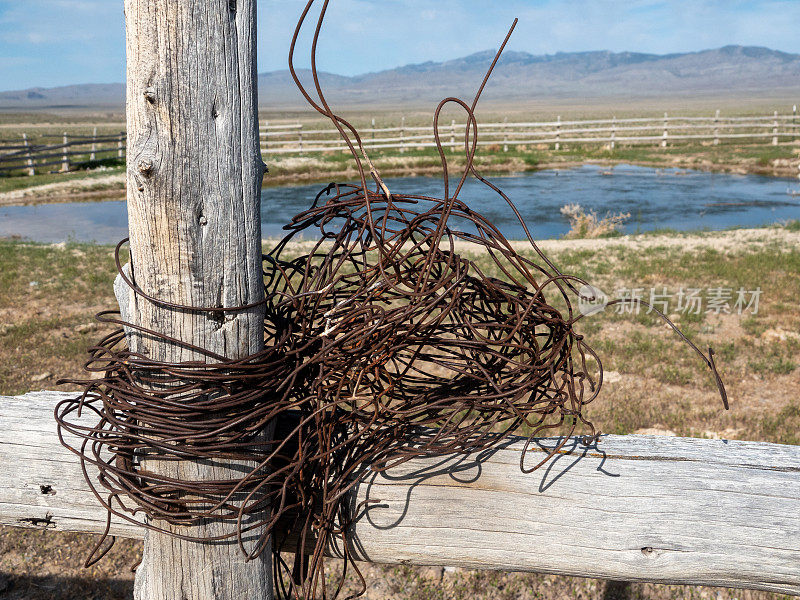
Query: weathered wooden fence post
613, 132
300, 137
402, 134
65, 155
558, 132
93, 155
716, 128
121, 144
505, 134
664, 136
29, 155
452, 135
775, 129
194, 173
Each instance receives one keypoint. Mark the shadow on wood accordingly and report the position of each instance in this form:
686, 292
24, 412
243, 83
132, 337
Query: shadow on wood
634, 508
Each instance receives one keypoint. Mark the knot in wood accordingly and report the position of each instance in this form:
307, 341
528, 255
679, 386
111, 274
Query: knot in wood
146, 167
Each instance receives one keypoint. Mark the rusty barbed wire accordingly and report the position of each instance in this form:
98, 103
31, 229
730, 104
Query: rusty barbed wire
384, 343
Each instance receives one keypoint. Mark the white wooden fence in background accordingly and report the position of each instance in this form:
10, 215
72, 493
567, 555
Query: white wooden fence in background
59, 153
32, 154
297, 138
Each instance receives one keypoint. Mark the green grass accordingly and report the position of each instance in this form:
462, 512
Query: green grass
792, 225
53, 292
535, 156
8, 184
776, 359
783, 427
68, 271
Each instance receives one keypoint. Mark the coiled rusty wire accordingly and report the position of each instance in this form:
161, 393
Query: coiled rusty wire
383, 343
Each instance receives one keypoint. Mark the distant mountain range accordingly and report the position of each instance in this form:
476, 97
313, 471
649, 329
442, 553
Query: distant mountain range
731, 70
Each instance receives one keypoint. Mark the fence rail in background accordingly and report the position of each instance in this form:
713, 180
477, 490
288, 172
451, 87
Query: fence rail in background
633, 508
67, 151
295, 138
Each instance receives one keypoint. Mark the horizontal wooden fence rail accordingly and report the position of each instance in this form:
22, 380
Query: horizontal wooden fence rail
295, 138
633, 508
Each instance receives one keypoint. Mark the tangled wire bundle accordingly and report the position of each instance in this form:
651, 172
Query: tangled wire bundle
383, 343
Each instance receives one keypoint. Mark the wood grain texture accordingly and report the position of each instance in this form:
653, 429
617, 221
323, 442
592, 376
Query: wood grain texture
635, 508
194, 173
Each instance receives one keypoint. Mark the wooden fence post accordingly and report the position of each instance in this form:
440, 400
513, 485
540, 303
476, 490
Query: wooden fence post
716, 128
194, 174
402, 134
775, 129
558, 132
613, 132
65, 155
121, 144
265, 143
664, 136
505, 134
373, 128
453, 135
29, 154
300, 136
93, 155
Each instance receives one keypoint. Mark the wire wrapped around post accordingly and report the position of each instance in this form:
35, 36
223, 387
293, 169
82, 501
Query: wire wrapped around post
384, 343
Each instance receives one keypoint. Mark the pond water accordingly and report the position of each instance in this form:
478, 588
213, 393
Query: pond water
655, 198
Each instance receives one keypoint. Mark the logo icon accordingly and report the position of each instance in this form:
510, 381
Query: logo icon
591, 300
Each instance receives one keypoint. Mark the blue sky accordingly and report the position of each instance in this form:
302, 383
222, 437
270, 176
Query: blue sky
59, 42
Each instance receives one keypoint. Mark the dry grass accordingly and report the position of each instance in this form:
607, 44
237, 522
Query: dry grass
48, 294
590, 225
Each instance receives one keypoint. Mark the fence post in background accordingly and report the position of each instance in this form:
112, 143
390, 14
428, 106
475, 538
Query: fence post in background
265, 143
613, 132
29, 154
794, 122
716, 128
373, 128
300, 137
65, 155
558, 132
665, 135
120, 144
775, 129
505, 134
194, 180
402, 134
453, 135
93, 155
